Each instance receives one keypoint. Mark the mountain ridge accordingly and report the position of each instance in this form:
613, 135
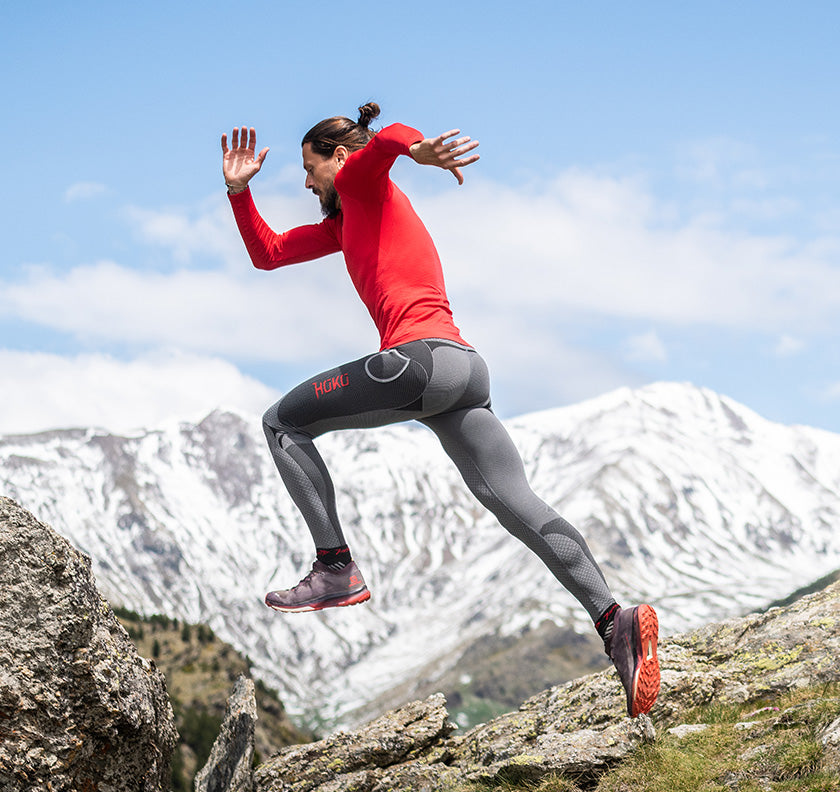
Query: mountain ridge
688, 499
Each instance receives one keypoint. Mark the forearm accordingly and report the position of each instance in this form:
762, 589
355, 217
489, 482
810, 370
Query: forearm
268, 249
259, 238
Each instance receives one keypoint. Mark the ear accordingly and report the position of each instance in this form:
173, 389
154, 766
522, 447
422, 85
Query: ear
340, 155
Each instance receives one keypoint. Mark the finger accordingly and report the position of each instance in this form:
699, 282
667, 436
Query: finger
465, 144
456, 172
462, 161
261, 156
234, 138
458, 142
252, 140
224, 143
451, 133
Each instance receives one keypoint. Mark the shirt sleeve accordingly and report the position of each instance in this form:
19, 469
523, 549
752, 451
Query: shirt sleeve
269, 250
366, 171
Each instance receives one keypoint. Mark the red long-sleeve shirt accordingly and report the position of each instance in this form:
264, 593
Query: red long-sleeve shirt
390, 255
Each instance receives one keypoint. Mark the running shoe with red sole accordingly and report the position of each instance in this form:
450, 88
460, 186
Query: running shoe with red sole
633, 652
321, 588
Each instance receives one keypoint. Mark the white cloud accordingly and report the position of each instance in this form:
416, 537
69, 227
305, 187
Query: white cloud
532, 366
645, 348
788, 346
523, 266
766, 209
42, 391
722, 162
82, 191
832, 392
251, 315
580, 244
208, 231
603, 246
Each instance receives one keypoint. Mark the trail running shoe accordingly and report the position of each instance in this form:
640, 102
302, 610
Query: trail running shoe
321, 588
633, 652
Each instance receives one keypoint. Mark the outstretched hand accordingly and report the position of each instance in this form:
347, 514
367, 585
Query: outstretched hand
444, 153
239, 162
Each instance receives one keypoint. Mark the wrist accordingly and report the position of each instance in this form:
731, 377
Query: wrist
235, 189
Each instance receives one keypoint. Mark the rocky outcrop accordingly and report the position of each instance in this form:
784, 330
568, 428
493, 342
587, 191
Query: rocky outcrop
360, 760
79, 708
579, 728
230, 766
410, 748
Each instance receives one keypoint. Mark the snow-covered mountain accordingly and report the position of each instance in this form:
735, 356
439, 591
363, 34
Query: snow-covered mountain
689, 500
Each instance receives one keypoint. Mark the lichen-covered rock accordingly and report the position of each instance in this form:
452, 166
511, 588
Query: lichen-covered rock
584, 753
418, 777
578, 728
354, 762
752, 657
230, 766
79, 708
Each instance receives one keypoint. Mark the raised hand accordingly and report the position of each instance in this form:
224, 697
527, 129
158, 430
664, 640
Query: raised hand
239, 162
444, 153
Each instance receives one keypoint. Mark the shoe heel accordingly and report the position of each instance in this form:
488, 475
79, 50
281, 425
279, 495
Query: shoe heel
648, 677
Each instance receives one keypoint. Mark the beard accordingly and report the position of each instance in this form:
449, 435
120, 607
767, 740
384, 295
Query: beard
330, 201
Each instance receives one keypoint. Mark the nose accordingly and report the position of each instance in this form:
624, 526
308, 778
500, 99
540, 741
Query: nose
309, 183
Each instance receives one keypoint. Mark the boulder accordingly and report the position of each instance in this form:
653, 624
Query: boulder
357, 761
79, 708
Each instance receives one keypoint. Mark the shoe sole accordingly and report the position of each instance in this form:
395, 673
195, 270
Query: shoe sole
336, 602
646, 677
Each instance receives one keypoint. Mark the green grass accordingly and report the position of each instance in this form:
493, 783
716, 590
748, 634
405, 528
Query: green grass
779, 751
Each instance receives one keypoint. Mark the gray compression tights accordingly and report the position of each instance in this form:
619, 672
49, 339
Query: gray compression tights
446, 387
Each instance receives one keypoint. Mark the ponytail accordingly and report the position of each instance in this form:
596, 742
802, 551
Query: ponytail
367, 112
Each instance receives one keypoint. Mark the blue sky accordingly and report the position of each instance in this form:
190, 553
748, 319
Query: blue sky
656, 199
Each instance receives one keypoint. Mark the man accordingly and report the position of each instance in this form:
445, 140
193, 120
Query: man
424, 371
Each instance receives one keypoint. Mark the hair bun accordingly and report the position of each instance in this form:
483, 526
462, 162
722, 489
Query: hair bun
367, 112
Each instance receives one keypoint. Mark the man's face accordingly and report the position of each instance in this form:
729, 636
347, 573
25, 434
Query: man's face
320, 175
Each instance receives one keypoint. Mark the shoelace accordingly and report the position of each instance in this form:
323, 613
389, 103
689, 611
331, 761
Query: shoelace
307, 581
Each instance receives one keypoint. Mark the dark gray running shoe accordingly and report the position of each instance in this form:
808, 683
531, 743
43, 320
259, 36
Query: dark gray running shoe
321, 588
632, 648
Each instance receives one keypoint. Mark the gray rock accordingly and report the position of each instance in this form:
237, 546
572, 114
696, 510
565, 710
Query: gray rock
753, 657
687, 729
79, 708
830, 738
354, 762
578, 729
230, 766
515, 756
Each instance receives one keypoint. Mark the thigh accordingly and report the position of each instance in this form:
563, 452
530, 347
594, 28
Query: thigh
477, 441
375, 390
490, 464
